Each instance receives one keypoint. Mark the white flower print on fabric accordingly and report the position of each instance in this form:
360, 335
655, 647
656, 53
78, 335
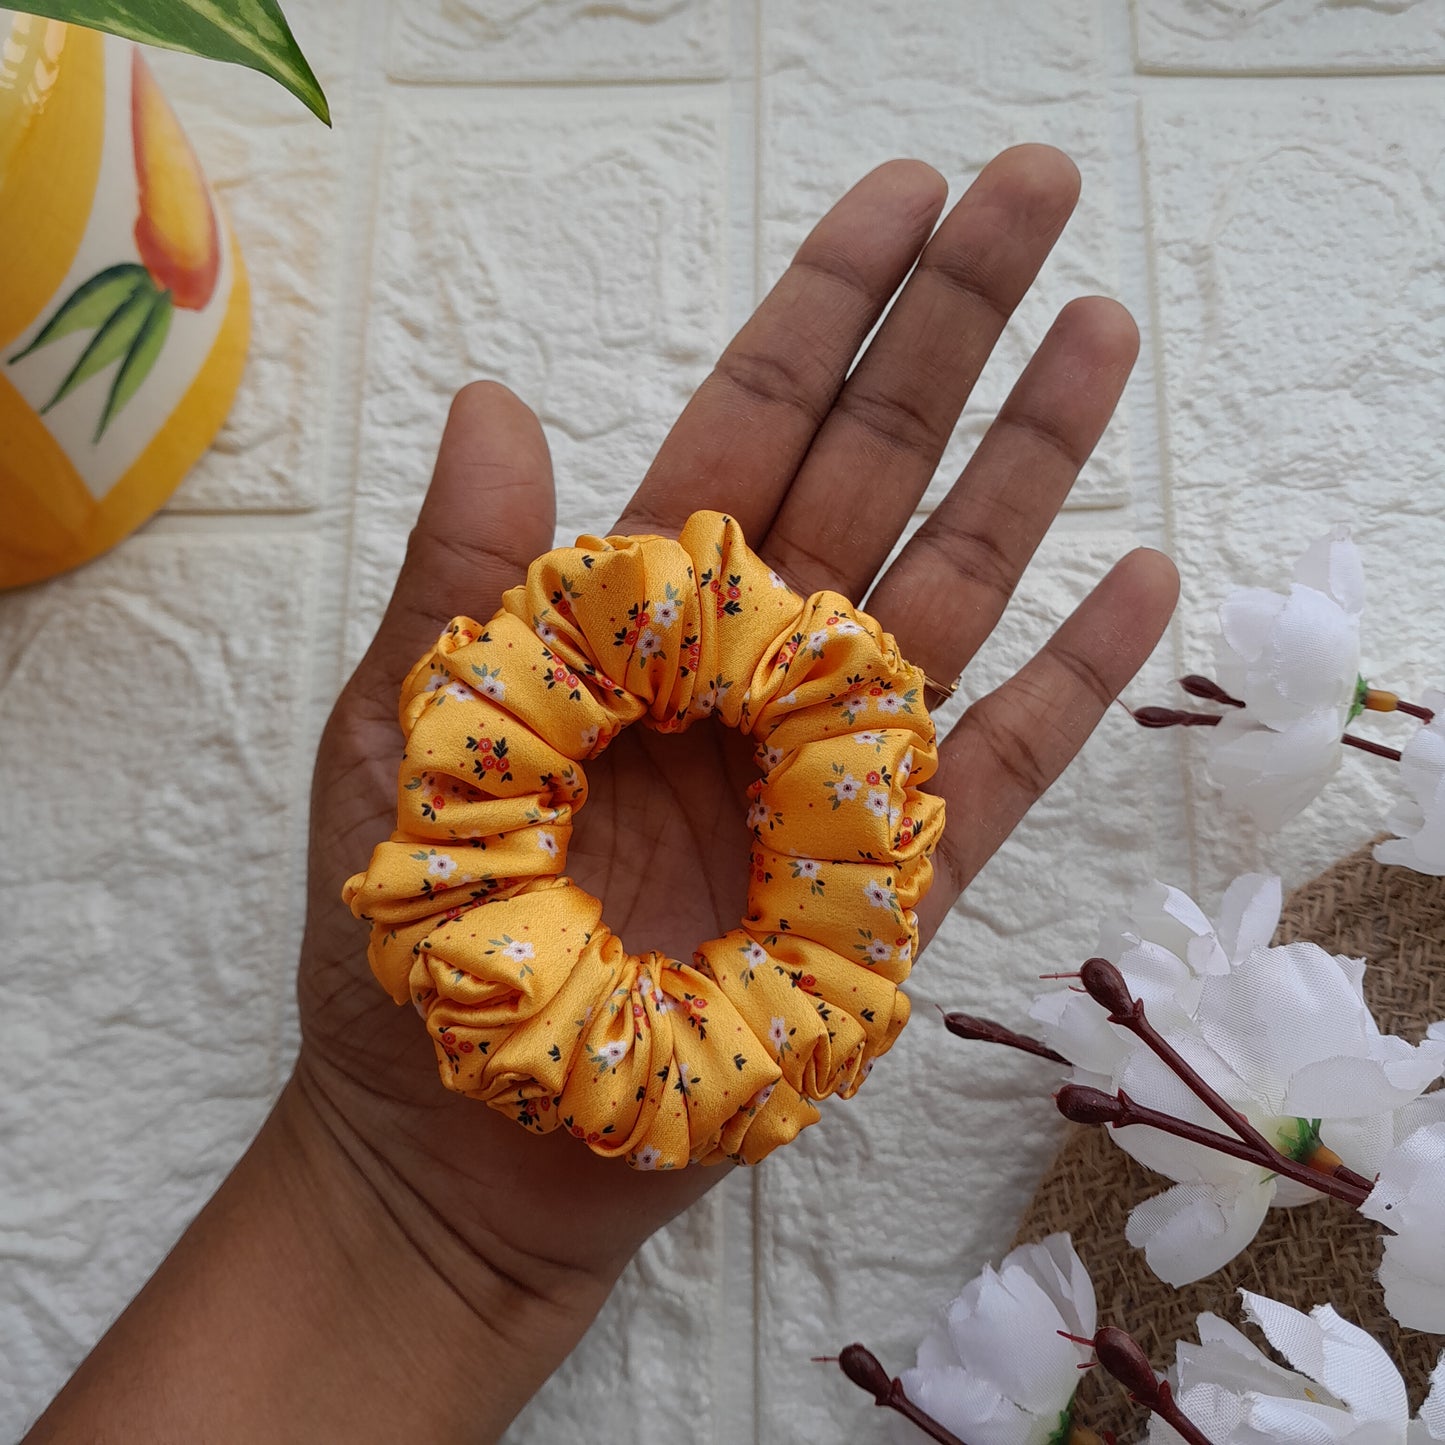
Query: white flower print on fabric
997, 1369
877, 803
489, 682
817, 641
1293, 659
880, 895
807, 868
664, 615
649, 644
440, 865
547, 842
844, 789
1420, 822
589, 737
519, 950
879, 950
648, 1157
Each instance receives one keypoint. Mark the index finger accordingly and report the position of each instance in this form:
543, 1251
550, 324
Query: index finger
742, 437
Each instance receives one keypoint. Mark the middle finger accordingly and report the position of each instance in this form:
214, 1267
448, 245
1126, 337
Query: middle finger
879, 446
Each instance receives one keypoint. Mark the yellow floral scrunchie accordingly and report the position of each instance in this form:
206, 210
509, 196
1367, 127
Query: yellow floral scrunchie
532, 1003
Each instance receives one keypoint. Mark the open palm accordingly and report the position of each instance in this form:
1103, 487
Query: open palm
822, 462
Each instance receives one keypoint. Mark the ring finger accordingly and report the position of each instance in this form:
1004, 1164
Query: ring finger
948, 587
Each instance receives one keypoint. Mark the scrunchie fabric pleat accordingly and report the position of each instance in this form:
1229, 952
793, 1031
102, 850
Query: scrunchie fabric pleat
532, 1003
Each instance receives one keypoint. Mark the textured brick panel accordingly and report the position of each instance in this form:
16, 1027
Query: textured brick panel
1298, 248
1275, 35
570, 247
150, 775
885, 1208
951, 84
280, 174
504, 40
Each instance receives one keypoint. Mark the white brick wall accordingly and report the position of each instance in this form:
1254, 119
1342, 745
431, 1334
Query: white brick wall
583, 201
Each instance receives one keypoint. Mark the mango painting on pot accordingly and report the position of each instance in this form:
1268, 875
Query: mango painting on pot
124, 311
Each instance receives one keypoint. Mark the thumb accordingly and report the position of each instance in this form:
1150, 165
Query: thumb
488, 512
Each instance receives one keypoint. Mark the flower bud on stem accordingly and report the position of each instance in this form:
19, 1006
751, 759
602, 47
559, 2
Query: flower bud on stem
861, 1366
1376, 699
1208, 689
1123, 1357
986, 1031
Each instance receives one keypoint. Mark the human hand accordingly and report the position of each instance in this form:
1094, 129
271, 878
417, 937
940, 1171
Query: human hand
823, 469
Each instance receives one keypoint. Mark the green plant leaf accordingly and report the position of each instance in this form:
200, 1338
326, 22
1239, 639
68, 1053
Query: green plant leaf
89, 304
139, 359
115, 337
253, 33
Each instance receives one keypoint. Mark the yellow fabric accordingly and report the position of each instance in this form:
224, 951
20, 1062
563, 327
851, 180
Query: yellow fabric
531, 1002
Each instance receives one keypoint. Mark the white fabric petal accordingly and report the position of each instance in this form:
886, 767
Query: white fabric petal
1332, 564
1249, 914
1194, 1229
1349, 1363
1409, 1200
1273, 776
1420, 822
1008, 1334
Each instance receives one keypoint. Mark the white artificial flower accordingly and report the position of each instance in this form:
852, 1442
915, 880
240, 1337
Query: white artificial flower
1294, 661
996, 1370
1420, 823
1343, 1386
1409, 1200
1164, 946
1283, 1034
1287, 1038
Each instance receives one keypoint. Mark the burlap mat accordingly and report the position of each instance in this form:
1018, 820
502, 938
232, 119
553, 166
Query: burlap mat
1315, 1254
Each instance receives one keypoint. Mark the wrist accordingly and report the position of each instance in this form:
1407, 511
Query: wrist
450, 1302
316, 1299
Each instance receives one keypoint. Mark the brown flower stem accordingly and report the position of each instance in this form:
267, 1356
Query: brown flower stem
967, 1026
861, 1366
1208, 689
1084, 1104
1123, 1357
1104, 983
1366, 746
1106, 986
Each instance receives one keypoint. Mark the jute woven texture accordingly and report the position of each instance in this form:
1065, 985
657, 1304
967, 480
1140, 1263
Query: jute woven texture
1315, 1254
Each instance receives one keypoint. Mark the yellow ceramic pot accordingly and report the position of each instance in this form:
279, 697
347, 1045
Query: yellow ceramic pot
124, 310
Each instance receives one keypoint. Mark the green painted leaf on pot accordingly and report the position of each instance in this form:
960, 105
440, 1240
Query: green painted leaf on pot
89, 304
253, 33
139, 359
116, 336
